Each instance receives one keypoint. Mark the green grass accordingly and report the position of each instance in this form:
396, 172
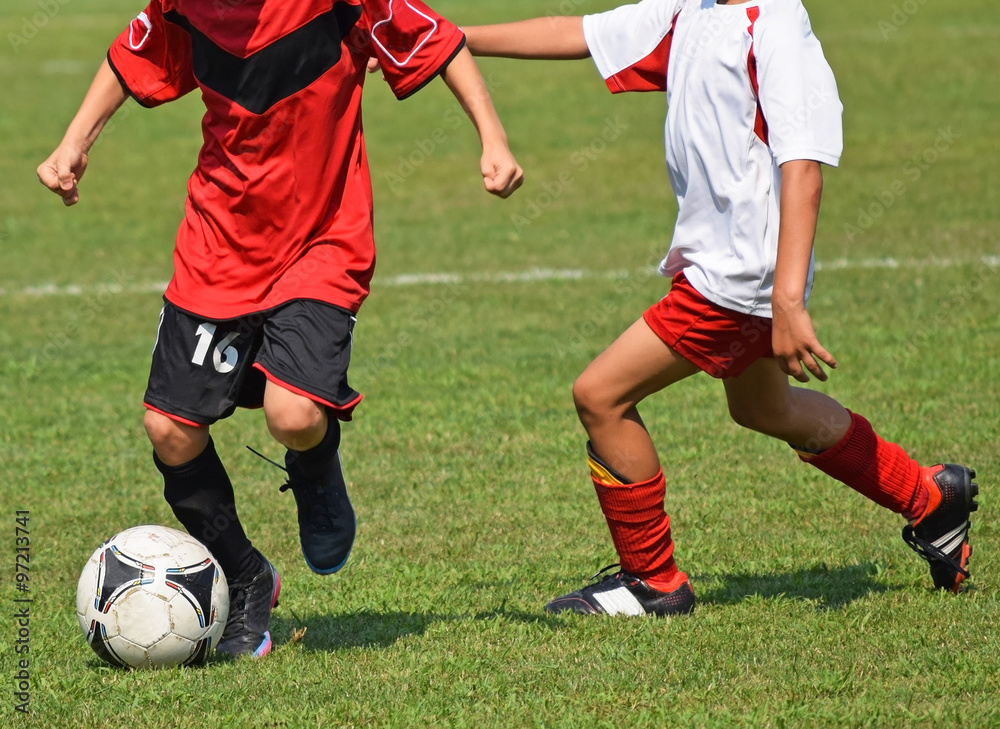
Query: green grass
465, 460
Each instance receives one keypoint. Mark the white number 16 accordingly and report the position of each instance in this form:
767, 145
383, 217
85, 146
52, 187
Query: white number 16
224, 357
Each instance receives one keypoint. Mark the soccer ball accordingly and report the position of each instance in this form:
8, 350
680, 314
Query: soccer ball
152, 596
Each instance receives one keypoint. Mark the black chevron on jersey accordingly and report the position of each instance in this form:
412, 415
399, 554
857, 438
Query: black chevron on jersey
277, 71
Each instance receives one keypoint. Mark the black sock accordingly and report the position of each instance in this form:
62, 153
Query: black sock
317, 463
201, 496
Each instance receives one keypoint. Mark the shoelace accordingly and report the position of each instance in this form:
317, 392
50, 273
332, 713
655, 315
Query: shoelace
238, 614
316, 509
261, 455
288, 481
603, 570
317, 516
931, 553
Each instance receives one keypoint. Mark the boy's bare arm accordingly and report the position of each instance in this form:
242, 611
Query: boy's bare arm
62, 171
549, 38
794, 339
501, 173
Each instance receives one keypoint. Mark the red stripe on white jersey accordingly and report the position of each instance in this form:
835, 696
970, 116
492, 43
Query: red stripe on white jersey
760, 123
649, 74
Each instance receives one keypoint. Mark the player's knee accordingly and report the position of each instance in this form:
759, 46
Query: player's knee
174, 442
590, 399
297, 423
754, 417
743, 416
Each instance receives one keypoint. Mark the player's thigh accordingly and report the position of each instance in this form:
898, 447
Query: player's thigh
634, 366
305, 354
290, 414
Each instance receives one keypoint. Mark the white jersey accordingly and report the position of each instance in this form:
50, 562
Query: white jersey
748, 89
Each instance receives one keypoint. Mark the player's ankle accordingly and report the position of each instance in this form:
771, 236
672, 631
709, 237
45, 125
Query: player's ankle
926, 497
667, 581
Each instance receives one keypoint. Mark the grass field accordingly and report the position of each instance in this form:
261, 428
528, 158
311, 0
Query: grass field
466, 461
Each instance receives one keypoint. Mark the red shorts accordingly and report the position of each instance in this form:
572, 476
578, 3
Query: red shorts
720, 341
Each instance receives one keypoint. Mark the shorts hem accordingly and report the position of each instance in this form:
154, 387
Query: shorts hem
344, 411
721, 342
676, 342
173, 416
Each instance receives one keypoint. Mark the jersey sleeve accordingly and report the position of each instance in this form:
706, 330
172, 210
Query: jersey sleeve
797, 90
412, 42
631, 44
152, 58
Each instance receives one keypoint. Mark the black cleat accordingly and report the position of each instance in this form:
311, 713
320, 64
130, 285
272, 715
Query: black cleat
941, 535
625, 594
250, 605
326, 518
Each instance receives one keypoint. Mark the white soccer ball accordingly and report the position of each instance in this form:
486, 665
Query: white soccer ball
152, 596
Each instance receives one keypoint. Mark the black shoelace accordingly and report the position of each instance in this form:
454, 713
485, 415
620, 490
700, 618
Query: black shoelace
261, 455
238, 608
318, 510
604, 570
931, 553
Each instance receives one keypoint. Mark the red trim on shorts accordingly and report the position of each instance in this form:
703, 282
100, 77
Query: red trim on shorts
719, 341
343, 412
178, 418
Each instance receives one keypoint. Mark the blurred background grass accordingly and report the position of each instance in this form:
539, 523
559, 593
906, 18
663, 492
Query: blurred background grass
465, 460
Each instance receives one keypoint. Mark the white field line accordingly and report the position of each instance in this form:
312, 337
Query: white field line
527, 276
875, 33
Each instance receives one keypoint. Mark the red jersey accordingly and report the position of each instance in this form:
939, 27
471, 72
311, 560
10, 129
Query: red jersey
280, 204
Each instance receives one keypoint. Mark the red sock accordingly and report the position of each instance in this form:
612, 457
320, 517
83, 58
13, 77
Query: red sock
640, 529
876, 468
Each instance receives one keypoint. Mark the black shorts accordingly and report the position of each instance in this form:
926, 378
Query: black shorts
203, 369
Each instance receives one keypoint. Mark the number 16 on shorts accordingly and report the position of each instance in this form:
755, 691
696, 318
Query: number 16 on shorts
224, 357
200, 367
